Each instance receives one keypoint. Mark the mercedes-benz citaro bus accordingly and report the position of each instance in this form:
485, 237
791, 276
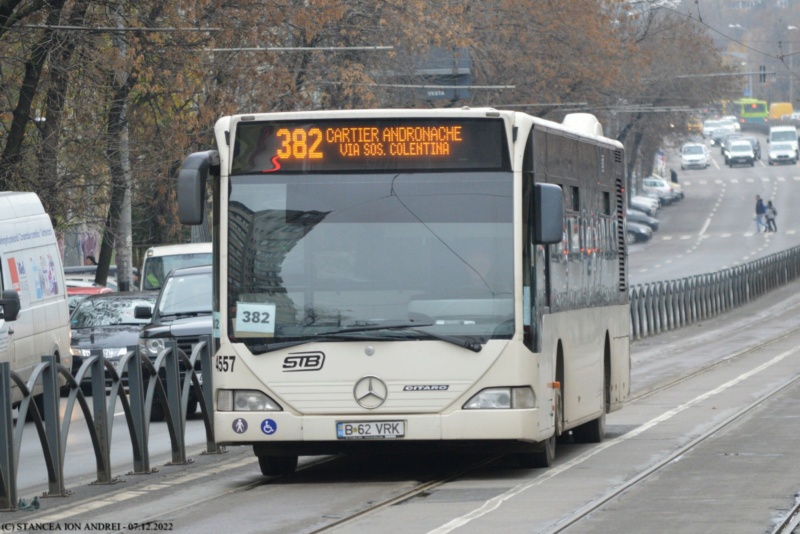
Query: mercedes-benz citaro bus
395, 279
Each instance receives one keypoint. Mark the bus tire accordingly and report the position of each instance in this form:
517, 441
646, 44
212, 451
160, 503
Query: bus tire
545, 455
595, 430
277, 465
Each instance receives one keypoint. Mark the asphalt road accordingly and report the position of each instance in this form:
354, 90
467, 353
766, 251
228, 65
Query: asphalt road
713, 227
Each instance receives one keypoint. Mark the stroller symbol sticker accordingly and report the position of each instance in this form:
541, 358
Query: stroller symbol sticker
240, 426
269, 427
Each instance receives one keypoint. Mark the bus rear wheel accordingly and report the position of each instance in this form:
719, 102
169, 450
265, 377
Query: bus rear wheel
277, 465
595, 430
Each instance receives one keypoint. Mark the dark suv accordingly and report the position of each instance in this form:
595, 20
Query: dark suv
182, 312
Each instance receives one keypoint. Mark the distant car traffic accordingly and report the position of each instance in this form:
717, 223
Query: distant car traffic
695, 156
756, 145
741, 153
709, 126
724, 128
106, 324
637, 233
782, 153
733, 119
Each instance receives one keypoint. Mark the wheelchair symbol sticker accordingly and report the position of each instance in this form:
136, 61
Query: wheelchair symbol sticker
240, 426
269, 427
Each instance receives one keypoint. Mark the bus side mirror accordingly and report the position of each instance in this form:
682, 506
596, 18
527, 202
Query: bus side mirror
9, 305
548, 214
192, 185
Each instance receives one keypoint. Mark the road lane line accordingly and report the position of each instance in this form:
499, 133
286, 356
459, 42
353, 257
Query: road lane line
495, 503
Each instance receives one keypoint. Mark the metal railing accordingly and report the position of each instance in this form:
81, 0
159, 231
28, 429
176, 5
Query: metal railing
655, 308
145, 384
659, 307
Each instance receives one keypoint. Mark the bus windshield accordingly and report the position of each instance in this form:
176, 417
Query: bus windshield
312, 254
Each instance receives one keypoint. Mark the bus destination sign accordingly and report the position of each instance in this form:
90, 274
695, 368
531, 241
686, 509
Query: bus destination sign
368, 145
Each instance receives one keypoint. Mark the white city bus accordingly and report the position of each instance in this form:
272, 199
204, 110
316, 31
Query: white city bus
413, 278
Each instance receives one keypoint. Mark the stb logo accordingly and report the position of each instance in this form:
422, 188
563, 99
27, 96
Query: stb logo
303, 361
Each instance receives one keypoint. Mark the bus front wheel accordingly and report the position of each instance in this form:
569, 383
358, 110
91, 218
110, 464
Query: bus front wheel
545, 455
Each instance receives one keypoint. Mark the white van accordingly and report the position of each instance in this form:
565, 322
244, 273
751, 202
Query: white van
34, 315
783, 134
159, 261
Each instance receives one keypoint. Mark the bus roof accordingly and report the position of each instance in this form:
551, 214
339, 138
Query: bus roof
584, 124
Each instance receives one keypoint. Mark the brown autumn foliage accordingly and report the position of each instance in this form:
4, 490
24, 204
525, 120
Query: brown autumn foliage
122, 108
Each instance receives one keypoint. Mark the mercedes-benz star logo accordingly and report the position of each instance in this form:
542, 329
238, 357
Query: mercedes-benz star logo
370, 392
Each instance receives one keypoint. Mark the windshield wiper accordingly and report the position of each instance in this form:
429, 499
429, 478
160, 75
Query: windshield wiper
467, 343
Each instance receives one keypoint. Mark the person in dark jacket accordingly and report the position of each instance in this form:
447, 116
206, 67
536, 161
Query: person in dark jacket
761, 209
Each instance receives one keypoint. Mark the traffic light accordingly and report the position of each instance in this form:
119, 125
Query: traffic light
762, 73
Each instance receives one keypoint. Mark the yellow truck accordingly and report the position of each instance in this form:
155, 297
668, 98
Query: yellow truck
780, 112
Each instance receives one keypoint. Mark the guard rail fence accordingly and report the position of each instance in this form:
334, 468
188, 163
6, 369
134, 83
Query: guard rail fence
658, 307
655, 308
146, 382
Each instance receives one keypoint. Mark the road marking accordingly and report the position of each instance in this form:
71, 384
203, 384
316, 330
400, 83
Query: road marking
705, 226
495, 503
111, 500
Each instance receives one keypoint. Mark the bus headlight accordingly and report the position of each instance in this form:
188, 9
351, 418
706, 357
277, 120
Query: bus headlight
245, 400
506, 398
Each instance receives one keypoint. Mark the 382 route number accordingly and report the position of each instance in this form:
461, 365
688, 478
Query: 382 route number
225, 363
255, 317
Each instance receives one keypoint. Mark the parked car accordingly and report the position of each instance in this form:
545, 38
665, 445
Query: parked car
781, 153
741, 153
644, 203
641, 217
183, 311
662, 188
637, 233
107, 324
695, 156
